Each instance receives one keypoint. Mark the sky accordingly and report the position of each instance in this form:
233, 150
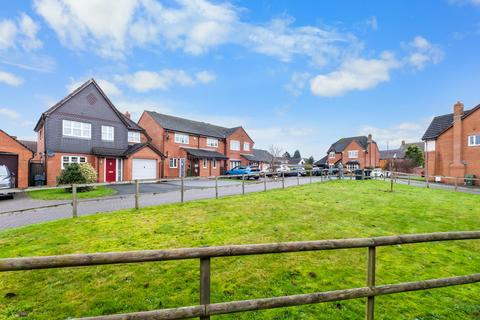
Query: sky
295, 74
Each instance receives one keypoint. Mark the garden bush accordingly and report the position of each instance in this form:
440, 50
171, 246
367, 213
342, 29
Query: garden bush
78, 174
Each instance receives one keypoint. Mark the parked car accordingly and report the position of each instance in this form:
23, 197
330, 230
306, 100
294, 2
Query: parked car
7, 181
283, 168
380, 173
316, 171
296, 171
249, 171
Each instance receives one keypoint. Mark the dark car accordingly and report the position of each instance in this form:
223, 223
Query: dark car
7, 181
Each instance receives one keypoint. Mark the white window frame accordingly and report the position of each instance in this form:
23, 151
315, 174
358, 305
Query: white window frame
473, 140
237, 163
212, 142
70, 160
133, 137
234, 145
246, 146
182, 138
214, 163
353, 154
175, 163
69, 127
108, 133
205, 163
332, 155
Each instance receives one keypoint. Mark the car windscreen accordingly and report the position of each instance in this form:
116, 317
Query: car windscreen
4, 171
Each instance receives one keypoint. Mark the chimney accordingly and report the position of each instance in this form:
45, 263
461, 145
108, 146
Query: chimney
127, 114
457, 134
403, 144
369, 138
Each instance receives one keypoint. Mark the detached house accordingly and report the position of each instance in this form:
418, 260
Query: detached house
453, 143
85, 127
195, 148
354, 153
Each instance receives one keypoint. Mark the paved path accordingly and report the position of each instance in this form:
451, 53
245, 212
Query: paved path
194, 190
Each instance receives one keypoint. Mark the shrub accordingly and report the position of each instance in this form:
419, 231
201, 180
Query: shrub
78, 174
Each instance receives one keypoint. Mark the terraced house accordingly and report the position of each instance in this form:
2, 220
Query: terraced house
195, 148
85, 127
354, 153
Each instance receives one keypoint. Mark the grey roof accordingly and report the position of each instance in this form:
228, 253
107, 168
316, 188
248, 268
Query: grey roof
321, 162
190, 126
262, 155
420, 145
294, 160
205, 154
441, 123
392, 154
108, 152
341, 144
32, 145
249, 157
137, 146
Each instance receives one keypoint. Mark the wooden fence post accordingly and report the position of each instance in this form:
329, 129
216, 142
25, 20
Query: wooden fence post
283, 180
408, 179
298, 179
182, 189
456, 183
205, 283
216, 187
371, 266
391, 184
243, 184
74, 201
265, 182
137, 195
310, 176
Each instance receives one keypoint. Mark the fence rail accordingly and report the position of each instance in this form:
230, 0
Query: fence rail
206, 309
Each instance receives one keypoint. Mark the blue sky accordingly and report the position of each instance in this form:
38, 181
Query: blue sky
297, 74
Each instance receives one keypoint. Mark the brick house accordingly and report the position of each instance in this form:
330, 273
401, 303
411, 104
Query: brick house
354, 153
85, 127
453, 143
16, 156
195, 148
387, 156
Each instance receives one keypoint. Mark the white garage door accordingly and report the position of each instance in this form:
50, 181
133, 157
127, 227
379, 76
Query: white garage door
144, 169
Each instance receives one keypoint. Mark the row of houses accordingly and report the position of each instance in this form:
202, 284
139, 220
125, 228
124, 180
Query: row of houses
86, 127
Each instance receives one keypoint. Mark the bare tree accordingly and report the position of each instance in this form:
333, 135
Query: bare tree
275, 154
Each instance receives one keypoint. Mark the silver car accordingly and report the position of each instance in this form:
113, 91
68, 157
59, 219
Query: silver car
7, 181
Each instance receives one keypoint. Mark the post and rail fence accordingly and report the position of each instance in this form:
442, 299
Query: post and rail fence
205, 309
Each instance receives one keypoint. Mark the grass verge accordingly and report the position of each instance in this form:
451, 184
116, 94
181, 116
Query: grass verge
61, 194
336, 209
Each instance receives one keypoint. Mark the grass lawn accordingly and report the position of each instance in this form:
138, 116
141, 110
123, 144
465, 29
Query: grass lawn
61, 194
335, 209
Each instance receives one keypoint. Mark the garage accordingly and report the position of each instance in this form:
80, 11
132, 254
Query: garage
11, 161
144, 169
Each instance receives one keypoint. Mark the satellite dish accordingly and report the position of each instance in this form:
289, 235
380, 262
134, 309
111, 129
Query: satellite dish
50, 153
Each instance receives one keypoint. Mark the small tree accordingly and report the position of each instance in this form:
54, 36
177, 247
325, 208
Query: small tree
275, 153
415, 155
78, 174
287, 155
297, 155
311, 160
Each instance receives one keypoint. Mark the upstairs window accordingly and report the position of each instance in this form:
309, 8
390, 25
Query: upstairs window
133, 137
234, 145
474, 140
108, 133
246, 146
212, 142
331, 155
77, 129
353, 154
181, 138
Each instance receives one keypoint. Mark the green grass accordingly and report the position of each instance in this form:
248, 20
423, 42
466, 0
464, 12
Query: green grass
61, 194
336, 209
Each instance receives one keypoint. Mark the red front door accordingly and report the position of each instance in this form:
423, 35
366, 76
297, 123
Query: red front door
111, 170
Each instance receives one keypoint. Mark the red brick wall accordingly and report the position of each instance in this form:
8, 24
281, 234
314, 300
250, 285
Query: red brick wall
8, 144
54, 166
240, 135
361, 154
144, 153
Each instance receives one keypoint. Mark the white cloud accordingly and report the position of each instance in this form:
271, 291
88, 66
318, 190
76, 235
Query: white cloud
297, 82
10, 79
144, 80
112, 29
9, 113
372, 23
355, 74
21, 33
465, 2
393, 135
108, 87
136, 107
422, 52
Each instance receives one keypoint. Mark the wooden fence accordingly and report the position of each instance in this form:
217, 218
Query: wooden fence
205, 309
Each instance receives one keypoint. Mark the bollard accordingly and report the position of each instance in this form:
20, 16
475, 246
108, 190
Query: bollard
74, 200
216, 187
137, 195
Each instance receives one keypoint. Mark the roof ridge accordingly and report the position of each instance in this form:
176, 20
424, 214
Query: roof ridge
196, 121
